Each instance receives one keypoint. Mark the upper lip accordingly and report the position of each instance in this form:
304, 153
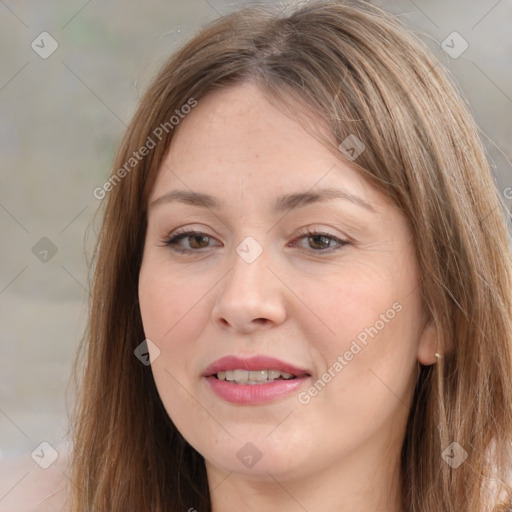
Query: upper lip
252, 364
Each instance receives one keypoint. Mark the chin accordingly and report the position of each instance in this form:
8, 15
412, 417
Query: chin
259, 460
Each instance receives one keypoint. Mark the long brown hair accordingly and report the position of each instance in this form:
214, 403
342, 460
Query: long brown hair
365, 75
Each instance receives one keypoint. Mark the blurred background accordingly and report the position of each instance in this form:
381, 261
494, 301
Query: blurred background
70, 77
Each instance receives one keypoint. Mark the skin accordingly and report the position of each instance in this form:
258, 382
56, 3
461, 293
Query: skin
303, 300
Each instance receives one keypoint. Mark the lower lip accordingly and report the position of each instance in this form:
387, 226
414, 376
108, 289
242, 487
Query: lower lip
254, 394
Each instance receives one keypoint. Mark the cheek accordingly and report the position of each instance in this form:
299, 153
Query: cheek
364, 329
373, 361
349, 305
169, 307
173, 315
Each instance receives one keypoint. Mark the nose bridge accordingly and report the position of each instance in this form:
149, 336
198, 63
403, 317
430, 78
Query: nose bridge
249, 291
249, 267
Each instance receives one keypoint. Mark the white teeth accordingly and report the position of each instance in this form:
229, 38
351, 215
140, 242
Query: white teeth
252, 377
241, 375
258, 375
273, 374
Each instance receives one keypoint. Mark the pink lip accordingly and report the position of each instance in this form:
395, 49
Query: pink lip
252, 364
254, 394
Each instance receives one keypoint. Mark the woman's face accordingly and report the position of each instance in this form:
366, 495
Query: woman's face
300, 278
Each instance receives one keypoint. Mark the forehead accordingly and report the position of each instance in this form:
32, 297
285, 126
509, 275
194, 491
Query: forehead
235, 141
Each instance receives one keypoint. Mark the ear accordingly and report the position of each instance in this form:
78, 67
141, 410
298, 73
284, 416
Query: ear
427, 346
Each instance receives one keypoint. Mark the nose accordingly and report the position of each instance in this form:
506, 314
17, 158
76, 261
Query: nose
250, 297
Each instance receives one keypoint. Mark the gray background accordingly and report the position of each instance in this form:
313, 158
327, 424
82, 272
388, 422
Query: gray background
61, 119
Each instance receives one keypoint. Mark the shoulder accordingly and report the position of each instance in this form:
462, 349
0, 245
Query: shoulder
27, 487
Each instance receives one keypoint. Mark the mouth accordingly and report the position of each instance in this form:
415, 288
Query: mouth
255, 380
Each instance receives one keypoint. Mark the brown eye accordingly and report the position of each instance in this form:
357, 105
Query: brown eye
196, 241
319, 241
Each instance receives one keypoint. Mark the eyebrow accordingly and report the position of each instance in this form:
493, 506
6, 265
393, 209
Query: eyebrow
282, 203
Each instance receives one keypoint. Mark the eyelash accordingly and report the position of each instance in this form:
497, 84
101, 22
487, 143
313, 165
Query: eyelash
173, 240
